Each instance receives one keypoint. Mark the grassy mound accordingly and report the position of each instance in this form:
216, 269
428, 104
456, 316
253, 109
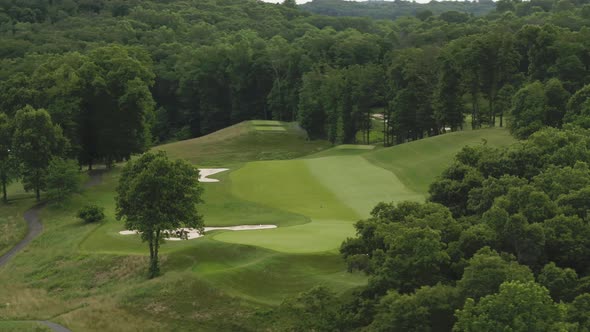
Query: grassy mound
246, 141
418, 163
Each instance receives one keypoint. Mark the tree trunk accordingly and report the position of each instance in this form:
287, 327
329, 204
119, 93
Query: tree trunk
154, 264
38, 193
90, 164
4, 195
501, 118
474, 110
492, 115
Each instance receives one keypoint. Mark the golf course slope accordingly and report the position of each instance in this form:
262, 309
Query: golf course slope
246, 141
89, 277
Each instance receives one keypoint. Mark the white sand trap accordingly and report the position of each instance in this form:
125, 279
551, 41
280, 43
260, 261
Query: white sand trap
205, 172
191, 233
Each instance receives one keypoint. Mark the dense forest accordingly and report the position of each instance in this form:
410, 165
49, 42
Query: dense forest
380, 9
179, 69
99, 81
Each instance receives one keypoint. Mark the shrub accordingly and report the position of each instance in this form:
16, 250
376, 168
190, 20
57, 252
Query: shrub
91, 213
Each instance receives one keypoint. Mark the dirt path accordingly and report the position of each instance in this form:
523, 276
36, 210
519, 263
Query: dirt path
35, 228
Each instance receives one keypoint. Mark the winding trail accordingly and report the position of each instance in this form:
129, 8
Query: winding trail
35, 228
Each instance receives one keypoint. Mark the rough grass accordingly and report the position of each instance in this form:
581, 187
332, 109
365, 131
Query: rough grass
10, 326
12, 226
242, 143
88, 291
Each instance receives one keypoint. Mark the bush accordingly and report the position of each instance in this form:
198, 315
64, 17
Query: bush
91, 213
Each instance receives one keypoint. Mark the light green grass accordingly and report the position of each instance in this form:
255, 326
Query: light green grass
333, 191
354, 147
418, 163
290, 186
270, 128
358, 183
266, 123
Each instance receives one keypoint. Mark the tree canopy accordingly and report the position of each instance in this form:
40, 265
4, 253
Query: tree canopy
156, 196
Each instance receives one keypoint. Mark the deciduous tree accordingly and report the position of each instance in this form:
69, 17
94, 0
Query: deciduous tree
36, 142
156, 195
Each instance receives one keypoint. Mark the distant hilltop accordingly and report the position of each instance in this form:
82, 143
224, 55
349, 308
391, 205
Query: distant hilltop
379, 9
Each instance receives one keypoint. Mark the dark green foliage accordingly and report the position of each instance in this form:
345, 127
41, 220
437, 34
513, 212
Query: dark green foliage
505, 219
314, 310
579, 311
428, 309
487, 270
517, 307
561, 283
156, 195
63, 179
36, 141
394, 9
91, 213
8, 163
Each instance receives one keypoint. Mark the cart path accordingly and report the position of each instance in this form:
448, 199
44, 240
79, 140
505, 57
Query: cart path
35, 228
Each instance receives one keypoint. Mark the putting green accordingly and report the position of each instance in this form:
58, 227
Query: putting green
358, 183
333, 191
266, 123
269, 128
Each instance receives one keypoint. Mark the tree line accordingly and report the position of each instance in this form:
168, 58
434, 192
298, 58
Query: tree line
394, 9
177, 69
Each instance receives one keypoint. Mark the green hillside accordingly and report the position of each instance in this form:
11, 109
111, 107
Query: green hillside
314, 201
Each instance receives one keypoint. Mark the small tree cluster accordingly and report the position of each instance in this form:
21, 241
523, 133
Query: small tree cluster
91, 213
34, 150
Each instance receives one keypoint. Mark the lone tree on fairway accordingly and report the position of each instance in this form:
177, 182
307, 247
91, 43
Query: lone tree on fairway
36, 142
155, 195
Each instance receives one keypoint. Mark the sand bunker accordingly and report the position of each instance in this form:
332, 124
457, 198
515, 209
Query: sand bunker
205, 172
191, 233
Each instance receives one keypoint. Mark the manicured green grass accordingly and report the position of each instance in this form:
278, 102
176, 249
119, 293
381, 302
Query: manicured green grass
266, 123
270, 128
418, 163
358, 183
333, 191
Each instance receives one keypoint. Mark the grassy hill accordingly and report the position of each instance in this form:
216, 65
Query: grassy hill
246, 141
91, 278
418, 163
